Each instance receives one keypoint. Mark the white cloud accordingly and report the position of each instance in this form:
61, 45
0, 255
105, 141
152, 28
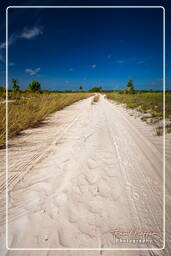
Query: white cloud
109, 56
27, 34
3, 45
93, 66
11, 64
32, 71
120, 61
31, 33
11, 40
140, 62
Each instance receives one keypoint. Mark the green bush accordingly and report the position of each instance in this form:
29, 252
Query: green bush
35, 86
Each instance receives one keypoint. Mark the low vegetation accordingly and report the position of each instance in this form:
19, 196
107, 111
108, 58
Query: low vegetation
29, 109
159, 129
96, 89
149, 103
96, 98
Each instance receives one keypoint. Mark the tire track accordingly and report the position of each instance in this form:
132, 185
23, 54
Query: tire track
89, 181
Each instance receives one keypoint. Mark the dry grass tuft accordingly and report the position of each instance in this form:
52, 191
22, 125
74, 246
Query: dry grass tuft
30, 111
159, 129
95, 99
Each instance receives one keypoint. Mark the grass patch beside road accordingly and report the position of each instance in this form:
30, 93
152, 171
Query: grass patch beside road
148, 102
28, 110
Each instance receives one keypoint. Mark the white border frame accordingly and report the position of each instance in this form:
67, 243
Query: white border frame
164, 203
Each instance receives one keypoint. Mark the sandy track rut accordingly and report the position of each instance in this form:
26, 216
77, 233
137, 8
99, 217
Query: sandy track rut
101, 174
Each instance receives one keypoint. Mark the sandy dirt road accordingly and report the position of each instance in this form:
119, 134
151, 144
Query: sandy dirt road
89, 170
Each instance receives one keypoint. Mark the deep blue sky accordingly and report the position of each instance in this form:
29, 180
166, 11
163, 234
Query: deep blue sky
66, 48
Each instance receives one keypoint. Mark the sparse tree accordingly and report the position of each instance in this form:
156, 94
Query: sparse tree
35, 86
96, 89
15, 85
130, 86
81, 88
2, 89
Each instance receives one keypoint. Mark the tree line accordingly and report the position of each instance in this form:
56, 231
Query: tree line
35, 86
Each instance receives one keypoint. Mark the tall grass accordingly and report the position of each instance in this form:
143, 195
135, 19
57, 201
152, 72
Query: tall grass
26, 112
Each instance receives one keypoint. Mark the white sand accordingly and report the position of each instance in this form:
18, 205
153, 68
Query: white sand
90, 169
